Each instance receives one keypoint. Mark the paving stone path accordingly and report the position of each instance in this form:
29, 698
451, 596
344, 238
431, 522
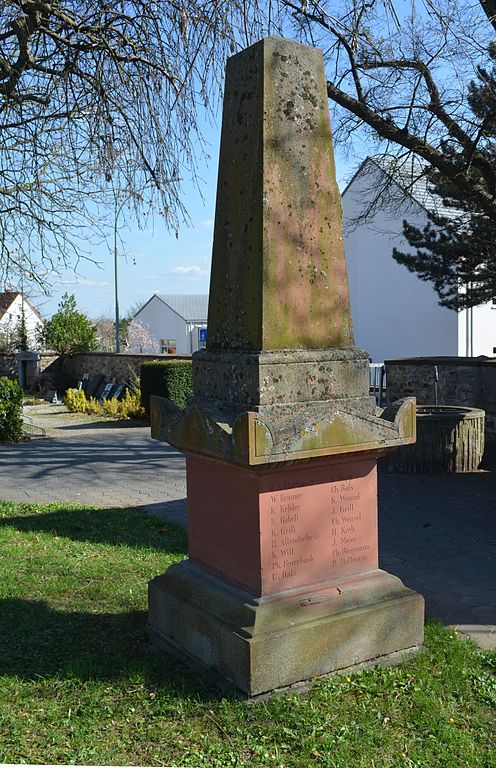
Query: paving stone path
92, 461
437, 532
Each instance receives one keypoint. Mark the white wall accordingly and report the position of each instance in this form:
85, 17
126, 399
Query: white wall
164, 323
477, 331
395, 314
9, 322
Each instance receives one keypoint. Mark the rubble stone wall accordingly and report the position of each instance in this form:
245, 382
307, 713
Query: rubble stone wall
463, 381
60, 372
8, 365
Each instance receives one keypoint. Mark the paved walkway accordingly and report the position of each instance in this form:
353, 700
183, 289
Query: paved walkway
90, 461
437, 532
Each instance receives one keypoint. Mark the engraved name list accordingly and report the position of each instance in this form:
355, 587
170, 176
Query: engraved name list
318, 533
290, 538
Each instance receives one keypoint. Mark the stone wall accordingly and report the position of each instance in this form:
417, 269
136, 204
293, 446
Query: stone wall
467, 381
8, 365
64, 371
47, 359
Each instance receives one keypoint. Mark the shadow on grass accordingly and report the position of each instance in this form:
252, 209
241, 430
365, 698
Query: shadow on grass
37, 641
128, 526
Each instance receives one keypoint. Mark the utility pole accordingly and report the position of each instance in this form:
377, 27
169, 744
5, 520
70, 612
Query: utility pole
117, 321
117, 212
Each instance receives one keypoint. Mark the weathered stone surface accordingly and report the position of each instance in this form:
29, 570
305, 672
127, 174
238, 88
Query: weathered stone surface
263, 643
278, 269
281, 435
252, 379
286, 432
465, 381
449, 439
280, 379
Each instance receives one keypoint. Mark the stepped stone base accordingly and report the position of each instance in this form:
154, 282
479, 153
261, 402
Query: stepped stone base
260, 644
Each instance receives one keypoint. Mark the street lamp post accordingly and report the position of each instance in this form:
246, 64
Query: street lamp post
117, 334
117, 213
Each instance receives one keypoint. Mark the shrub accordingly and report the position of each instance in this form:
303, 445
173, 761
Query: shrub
111, 407
11, 396
69, 330
93, 406
128, 408
75, 400
172, 379
131, 407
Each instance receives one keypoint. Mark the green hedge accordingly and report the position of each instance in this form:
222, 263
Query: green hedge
11, 396
172, 379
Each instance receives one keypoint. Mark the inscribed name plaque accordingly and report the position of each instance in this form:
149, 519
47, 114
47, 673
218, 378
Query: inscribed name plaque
314, 523
318, 533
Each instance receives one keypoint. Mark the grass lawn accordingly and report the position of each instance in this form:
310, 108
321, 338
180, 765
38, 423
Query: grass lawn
78, 683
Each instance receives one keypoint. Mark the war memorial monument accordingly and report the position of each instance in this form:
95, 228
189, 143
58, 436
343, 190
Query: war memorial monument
281, 436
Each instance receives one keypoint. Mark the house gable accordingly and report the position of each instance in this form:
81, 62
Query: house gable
395, 314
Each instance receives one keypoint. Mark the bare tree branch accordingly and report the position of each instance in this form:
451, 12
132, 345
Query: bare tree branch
407, 78
93, 92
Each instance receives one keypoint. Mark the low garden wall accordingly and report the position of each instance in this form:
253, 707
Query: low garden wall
465, 381
59, 372
8, 365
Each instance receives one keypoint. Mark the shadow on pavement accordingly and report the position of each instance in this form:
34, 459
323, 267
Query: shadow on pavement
438, 534
110, 424
174, 511
54, 457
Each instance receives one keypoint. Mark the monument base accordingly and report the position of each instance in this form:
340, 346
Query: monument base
259, 644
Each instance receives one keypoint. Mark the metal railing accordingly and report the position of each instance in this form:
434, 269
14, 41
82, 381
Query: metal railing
30, 429
377, 383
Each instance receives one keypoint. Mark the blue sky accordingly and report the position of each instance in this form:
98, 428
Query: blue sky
153, 260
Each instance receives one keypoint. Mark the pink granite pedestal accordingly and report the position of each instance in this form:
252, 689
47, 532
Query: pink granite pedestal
282, 584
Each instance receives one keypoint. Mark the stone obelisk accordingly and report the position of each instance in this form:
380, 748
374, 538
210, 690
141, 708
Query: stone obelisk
282, 439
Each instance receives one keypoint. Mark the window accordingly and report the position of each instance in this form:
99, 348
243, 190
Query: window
167, 346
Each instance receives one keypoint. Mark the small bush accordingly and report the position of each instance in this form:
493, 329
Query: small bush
11, 396
131, 407
33, 400
111, 407
93, 406
172, 379
128, 408
75, 400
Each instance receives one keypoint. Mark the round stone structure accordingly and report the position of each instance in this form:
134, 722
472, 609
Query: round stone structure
450, 438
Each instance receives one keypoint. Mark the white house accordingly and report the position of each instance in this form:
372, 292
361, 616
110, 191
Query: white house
12, 307
175, 324
395, 314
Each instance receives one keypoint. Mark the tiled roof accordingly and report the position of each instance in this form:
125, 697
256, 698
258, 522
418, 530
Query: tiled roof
191, 307
410, 178
6, 299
